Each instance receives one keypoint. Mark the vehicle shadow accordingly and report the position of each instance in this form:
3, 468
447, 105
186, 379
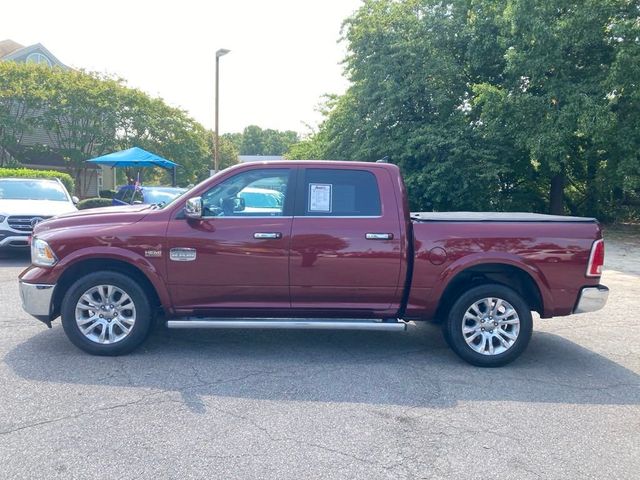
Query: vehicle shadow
408, 369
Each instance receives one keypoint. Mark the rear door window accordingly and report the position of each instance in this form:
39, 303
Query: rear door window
339, 193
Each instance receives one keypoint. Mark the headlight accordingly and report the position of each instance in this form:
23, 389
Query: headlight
2, 217
41, 253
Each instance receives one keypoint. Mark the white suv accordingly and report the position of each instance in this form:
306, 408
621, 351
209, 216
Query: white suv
24, 202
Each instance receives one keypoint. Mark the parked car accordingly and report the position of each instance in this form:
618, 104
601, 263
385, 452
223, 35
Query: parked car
341, 245
130, 194
263, 200
26, 202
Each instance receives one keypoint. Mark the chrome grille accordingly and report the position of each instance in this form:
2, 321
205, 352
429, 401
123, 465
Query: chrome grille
22, 223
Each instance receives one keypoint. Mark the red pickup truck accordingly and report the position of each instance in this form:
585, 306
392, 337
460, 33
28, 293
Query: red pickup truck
319, 245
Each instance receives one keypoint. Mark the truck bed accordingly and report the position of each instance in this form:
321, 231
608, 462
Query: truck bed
552, 250
494, 217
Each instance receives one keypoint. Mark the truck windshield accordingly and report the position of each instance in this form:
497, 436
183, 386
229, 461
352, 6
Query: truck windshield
161, 195
32, 190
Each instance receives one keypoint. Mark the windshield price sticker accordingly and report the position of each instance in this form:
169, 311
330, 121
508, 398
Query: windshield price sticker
320, 197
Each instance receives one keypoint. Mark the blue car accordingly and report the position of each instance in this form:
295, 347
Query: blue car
130, 194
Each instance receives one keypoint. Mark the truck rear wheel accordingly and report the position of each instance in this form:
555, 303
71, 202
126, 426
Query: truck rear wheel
106, 313
489, 326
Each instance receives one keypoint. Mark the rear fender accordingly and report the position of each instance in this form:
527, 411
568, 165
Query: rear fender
476, 259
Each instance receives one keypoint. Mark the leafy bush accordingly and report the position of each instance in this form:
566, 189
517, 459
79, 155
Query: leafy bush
107, 193
65, 178
94, 203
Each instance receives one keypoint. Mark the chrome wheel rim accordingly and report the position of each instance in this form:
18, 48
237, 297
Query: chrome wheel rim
491, 326
105, 314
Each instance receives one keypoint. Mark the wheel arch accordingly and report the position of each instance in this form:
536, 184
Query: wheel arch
85, 266
508, 275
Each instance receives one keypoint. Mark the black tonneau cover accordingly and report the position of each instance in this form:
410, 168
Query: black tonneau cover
494, 217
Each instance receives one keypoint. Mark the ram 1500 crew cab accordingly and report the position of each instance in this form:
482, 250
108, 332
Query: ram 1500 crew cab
338, 249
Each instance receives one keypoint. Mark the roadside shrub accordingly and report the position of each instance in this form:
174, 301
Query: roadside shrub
107, 193
65, 178
94, 203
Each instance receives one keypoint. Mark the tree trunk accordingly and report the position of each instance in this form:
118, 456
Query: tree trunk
592, 193
556, 195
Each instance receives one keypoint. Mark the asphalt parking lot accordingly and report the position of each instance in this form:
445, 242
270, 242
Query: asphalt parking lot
306, 405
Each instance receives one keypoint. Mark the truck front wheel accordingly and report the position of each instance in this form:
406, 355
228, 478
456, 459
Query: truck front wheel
106, 313
489, 325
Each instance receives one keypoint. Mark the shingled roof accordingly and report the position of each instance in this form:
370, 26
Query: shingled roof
10, 50
8, 46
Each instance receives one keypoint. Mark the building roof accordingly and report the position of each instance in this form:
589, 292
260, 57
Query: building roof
10, 50
259, 158
9, 46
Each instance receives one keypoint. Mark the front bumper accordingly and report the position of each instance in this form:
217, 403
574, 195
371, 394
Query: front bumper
36, 300
10, 239
591, 299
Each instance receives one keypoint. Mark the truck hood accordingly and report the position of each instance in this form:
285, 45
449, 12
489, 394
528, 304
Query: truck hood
95, 216
42, 208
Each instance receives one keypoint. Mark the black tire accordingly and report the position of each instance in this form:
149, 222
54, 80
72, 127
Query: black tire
141, 326
452, 328
445, 333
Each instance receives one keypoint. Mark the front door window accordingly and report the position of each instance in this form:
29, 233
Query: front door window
255, 193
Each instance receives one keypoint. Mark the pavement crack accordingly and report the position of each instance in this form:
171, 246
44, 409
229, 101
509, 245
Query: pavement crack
82, 414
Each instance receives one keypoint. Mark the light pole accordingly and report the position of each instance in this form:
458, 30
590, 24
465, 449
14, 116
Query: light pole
216, 151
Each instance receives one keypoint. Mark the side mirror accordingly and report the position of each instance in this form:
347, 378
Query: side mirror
193, 208
75, 200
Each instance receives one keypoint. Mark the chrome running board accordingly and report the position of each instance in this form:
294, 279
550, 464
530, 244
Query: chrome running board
294, 324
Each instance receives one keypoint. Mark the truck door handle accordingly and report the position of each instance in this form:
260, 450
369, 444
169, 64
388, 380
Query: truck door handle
379, 236
267, 235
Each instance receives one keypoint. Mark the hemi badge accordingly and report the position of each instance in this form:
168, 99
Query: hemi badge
153, 253
182, 254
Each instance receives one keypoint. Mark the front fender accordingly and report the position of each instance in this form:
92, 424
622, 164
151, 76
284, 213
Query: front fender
51, 276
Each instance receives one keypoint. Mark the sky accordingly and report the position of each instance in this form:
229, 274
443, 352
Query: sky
285, 54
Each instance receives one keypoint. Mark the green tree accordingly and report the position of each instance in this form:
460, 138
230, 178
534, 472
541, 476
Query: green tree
151, 124
552, 98
409, 101
21, 97
256, 141
234, 138
86, 115
81, 114
493, 104
623, 164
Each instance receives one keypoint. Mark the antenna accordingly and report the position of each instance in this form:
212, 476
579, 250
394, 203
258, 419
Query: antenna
384, 159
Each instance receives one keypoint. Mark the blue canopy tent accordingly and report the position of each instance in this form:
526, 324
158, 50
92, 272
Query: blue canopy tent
137, 158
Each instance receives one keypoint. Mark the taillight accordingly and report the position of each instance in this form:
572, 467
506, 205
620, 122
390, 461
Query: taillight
596, 259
